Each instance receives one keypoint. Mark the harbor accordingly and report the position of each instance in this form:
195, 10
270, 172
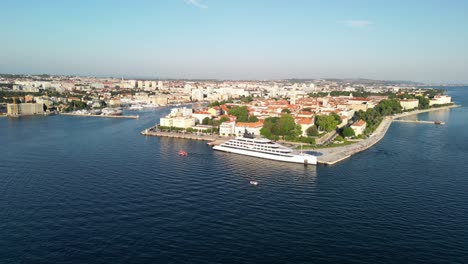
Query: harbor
327, 156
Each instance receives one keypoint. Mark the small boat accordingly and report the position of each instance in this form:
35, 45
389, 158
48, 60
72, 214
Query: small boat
438, 122
254, 183
183, 153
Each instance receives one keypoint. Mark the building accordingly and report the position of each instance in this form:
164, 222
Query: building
305, 123
183, 122
440, 100
408, 104
181, 112
200, 115
115, 101
13, 109
197, 95
252, 128
214, 111
227, 129
359, 127
25, 109
165, 121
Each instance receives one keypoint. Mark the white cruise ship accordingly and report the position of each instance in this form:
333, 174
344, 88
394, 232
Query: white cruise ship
265, 148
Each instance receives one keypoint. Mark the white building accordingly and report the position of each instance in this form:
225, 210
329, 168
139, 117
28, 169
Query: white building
252, 128
227, 129
440, 99
197, 95
181, 112
180, 122
408, 104
359, 127
183, 122
199, 116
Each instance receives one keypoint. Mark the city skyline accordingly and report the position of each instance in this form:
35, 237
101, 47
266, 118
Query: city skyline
193, 39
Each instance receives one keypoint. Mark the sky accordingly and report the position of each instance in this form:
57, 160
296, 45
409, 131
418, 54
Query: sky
413, 40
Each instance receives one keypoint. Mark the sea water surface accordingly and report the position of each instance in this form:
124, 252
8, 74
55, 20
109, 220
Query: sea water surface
93, 190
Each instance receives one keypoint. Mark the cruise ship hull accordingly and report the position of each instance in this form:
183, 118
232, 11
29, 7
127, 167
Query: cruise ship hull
295, 158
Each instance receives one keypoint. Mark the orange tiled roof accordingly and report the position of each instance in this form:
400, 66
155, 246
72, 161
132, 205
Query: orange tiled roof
251, 125
359, 123
304, 121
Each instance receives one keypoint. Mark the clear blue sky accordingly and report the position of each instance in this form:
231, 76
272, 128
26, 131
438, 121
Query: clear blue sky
238, 39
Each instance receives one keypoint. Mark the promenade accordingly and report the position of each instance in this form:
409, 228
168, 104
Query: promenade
330, 156
175, 134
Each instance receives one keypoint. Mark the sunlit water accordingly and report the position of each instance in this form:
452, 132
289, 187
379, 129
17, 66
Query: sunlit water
92, 190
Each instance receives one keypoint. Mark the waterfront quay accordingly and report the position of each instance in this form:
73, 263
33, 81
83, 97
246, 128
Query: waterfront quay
153, 131
108, 116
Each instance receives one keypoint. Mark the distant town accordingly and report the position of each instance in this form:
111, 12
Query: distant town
316, 112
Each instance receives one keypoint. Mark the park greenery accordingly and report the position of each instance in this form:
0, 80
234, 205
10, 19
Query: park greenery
285, 128
76, 105
374, 116
347, 132
327, 122
242, 114
312, 131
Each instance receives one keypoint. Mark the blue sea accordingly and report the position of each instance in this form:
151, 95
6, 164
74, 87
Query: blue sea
93, 190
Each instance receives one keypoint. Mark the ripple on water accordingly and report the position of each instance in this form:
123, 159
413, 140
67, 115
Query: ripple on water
94, 190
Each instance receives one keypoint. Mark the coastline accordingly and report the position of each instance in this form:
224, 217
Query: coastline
331, 156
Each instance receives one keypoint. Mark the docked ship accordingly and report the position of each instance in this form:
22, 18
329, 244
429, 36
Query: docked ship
266, 149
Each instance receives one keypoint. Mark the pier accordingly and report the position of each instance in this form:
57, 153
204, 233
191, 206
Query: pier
108, 116
419, 121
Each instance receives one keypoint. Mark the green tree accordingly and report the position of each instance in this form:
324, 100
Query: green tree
347, 132
286, 110
206, 121
253, 119
423, 102
307, 109
215, 103
246, 99
312, 131
326, 122
337, 117
223, 119
269, 129
388, 107
286, 126
240, 112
